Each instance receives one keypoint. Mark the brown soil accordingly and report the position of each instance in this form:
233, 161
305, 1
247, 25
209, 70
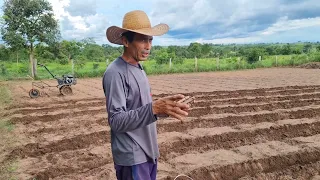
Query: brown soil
312, 65
255, 124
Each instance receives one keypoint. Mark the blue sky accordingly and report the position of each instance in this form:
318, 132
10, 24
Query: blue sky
204, 21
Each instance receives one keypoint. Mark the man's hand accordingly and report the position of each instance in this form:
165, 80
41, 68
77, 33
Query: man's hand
169, 105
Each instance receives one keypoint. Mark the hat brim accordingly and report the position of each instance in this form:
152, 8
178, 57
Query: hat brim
114, 33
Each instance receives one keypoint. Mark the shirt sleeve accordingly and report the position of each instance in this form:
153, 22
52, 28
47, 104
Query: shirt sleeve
120, 119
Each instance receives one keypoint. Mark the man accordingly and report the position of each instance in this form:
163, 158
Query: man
132, 114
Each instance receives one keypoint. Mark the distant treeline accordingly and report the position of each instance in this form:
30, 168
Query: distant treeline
87, 50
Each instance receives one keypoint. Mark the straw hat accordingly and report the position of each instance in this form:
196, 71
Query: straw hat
136, 21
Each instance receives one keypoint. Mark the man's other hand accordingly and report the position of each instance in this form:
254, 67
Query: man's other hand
169, 105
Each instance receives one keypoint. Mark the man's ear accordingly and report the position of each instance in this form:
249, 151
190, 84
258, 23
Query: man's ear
125, 41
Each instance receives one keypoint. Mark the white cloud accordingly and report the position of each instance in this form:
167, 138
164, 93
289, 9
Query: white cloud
79, 27
207, 21
58, 8
244, 40
284, 24
189, 13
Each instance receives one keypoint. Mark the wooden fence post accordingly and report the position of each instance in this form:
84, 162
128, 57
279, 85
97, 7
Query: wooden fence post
35, 62
218, 63
72, 66
196, 63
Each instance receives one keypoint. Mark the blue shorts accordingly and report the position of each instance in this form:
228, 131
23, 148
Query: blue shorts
144, 171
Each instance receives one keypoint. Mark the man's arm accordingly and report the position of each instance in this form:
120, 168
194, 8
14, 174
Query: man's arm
120, 119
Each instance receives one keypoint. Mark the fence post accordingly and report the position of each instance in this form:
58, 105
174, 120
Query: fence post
196, 63
276, 61
218, 63
72, 66
259, 58
35, 62
238, 62
170, 63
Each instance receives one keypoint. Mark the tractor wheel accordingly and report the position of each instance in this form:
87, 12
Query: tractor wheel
66, 90
34, 93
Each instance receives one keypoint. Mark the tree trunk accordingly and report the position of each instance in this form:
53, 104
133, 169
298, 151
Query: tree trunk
32, 63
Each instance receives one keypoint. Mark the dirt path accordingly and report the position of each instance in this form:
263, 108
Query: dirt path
255, 124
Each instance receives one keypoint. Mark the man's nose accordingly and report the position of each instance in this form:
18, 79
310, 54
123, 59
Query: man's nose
148, 45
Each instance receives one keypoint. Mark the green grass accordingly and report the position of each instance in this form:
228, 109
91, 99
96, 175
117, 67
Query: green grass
96, 69
6, 125
5, 95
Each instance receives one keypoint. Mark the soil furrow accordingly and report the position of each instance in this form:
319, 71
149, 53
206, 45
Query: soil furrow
257, 93
236, 139
251, 92
53, 172
197, 123
196, 112
253, 167
54, 117
66, 128
256, 100
50, 105
84, 106
237, 120
26, 111
297, 171
77, 142
238, 101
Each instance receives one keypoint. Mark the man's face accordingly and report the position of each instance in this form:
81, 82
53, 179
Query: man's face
140, 47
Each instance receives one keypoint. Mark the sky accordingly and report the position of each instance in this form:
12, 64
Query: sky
203, 21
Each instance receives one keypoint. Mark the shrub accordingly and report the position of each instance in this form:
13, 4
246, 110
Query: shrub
3, 69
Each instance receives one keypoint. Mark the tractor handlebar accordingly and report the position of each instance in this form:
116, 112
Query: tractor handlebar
47, 70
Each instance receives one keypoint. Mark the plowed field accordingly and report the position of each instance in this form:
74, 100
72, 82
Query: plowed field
257, 124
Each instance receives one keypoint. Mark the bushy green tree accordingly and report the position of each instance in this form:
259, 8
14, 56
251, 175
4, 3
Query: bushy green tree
27, 22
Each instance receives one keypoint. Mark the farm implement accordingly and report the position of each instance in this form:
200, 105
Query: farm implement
64, 84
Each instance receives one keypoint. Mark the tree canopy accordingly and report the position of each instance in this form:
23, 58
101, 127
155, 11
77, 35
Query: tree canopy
26, 23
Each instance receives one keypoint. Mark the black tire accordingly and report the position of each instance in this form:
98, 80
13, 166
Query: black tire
34, 93
66, 90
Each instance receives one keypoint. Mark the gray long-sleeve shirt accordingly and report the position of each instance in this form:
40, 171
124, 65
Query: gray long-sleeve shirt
130, 116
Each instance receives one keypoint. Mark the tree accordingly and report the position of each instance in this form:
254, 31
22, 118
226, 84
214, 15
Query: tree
162, 56
43, 52
93, 52
194, 50
70, 48
4, 53
206, 49
286, 50
253, 54
270, 50
27, 22
307, 47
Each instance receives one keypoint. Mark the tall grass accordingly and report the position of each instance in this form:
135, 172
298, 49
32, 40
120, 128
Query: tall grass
96, 69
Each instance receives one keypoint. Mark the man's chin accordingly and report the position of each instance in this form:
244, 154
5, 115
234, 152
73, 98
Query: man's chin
143, 58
